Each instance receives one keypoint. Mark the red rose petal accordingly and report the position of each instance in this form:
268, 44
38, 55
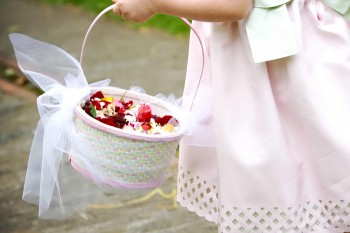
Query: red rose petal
129, 104
97, 105
144, 113
97, 95
163, 120
106, 121
146, 126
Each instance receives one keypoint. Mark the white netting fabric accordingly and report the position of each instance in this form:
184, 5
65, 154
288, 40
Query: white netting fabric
197, 195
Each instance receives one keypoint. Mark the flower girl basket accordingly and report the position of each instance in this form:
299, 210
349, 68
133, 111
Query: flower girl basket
126, 159
122, 158
109, 156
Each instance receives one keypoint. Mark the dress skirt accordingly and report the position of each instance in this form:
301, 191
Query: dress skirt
272, 149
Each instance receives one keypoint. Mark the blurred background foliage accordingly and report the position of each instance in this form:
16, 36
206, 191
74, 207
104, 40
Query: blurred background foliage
167, 23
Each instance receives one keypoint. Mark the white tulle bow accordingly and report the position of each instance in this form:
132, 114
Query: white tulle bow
62, 78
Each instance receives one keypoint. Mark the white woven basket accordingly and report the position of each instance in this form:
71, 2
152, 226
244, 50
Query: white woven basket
122, 158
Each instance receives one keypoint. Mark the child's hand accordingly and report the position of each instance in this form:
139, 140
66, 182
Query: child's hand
135, 10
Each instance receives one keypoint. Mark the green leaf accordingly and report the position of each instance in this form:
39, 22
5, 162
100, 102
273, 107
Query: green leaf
93, 111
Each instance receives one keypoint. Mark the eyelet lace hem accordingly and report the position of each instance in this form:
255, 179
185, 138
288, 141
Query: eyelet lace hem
198, 196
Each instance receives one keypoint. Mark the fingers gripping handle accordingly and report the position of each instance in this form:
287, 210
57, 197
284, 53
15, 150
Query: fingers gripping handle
183, 19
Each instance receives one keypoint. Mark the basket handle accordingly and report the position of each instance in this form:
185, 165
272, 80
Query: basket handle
183, 19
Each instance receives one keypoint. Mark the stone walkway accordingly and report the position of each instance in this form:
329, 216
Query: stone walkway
148, 58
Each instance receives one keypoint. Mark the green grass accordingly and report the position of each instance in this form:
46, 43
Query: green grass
167, 23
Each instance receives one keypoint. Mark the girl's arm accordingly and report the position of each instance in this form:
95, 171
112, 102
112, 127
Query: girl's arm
202, 10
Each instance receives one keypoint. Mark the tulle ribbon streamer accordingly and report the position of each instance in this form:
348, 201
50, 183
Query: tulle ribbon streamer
62, 78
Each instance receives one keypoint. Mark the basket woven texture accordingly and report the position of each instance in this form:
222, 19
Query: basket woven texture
120, 158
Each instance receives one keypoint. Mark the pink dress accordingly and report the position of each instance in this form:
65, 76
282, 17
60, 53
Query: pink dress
272, 153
